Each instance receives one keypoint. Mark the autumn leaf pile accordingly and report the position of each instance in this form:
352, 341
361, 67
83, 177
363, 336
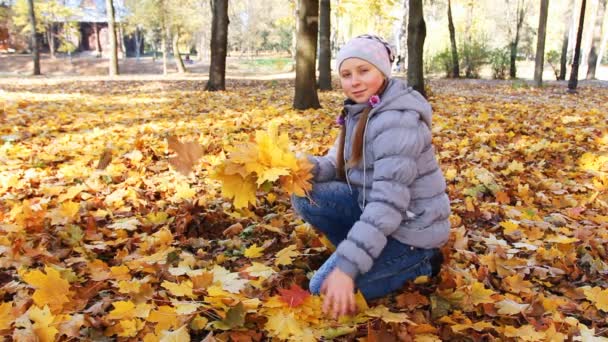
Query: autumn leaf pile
102, 238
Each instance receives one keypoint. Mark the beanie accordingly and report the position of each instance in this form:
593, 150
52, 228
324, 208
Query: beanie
370, 48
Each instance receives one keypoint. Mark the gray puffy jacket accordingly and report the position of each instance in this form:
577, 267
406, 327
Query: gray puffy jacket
402, 191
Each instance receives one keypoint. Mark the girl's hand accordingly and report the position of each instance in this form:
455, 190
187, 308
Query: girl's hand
338, 289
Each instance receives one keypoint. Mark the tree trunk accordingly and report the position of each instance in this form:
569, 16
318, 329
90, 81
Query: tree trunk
219, 46
600, 56
597, 40
572, 83
416, 33
121, 37
455, 66
540, 43
97, 40
50, 36
564, 57
515, 43
403, 34
306, 52
163, 43
34, 38
138, 40
176, 55
113, 69
199, 48
325, 46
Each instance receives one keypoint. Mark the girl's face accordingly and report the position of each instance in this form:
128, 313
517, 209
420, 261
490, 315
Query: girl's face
360, 79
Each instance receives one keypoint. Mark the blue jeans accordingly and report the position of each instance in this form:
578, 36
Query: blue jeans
333, 211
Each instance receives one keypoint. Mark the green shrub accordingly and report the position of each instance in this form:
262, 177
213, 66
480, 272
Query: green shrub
553, 58
441, 62
473, 56
500, 62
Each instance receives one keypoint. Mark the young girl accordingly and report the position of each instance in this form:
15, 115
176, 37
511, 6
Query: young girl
378, 194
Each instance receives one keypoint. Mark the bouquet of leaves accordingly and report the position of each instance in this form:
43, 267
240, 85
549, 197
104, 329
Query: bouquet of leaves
262, 165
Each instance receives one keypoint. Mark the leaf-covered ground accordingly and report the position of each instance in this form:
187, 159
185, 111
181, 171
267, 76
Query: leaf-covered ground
133, 250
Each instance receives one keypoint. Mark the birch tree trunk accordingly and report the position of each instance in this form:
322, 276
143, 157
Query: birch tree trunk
176, 55
593, 60
113, 67
564, 57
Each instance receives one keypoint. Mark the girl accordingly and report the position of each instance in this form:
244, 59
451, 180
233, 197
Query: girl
378, 194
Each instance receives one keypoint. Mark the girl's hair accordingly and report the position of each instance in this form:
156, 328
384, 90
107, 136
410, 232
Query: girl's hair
359, 134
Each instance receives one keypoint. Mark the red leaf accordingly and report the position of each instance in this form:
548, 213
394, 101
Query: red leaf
294, 296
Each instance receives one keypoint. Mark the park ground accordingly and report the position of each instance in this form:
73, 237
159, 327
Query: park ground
142, 251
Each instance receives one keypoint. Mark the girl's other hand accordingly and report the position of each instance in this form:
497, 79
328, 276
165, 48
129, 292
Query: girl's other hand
339, 291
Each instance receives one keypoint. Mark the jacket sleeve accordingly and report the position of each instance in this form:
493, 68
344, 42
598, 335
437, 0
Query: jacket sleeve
325, 166
397, 145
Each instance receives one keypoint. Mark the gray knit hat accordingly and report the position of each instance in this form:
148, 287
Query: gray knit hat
370, 48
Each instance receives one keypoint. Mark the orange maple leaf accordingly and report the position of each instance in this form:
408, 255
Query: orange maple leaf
294, 296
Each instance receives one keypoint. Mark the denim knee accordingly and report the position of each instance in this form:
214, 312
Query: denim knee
300, 205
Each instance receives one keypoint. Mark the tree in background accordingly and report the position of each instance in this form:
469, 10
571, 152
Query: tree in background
306, 52
324, 46
564, 55
219, 46
35, 51
596, 42
455, 65
49, 15
416, 33
402, 50
572, 83
520, 14
540, 45
113, 66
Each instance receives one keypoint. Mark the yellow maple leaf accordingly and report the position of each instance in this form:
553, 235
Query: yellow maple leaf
285, 255
230, 281
165, 318
182, 289
260, 270
386, 315
479, 294
126, 328
125, 286
69, 210
254, 251
122, 310
6, 315
298, 182
235, 186
516, 284
186, 308
179, 335
524, 333
510, 307
51, 289
598, 296
283, 325
183, 192
477, 326
43, 323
